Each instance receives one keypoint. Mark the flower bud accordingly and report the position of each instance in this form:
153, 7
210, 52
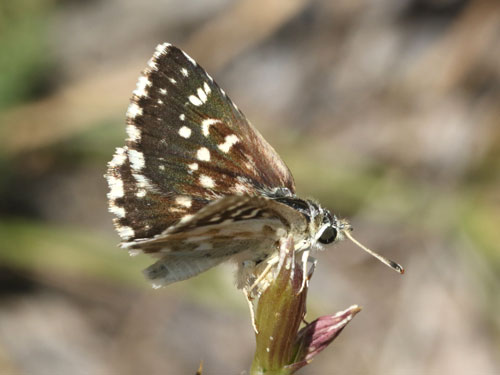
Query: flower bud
317, 335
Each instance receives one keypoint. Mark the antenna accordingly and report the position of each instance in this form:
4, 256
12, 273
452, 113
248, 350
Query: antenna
396, 267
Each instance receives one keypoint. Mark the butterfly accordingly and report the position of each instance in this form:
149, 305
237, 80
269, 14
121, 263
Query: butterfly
197, 185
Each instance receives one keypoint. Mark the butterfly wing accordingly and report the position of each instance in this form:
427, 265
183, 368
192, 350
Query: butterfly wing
245, 226
188, 145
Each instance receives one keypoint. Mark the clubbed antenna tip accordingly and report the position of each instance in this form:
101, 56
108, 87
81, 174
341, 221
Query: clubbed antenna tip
396, 267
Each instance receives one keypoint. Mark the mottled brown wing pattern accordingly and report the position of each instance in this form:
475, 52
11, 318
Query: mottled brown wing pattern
244, 227
188, 145
228, 214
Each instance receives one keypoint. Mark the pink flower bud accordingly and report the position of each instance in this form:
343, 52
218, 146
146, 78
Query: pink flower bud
317, 335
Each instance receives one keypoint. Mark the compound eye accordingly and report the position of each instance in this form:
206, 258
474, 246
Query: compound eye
329, 235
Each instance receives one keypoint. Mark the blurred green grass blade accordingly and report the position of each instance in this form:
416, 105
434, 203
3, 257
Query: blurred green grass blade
25, 60
40, 246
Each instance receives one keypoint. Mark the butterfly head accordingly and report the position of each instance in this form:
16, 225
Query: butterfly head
332, 228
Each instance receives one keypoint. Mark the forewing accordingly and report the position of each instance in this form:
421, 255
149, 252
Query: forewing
188, 144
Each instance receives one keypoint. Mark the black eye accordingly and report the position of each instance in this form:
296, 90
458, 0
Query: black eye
329, 235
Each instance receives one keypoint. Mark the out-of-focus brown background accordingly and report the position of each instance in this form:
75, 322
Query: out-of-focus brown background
387, 112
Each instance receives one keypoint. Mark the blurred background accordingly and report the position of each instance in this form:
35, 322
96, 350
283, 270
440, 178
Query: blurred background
387, 112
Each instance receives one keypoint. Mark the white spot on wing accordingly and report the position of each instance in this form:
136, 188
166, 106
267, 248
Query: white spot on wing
229, 141
118, 211
136, 159
203, 154
193, 166
115, 187
237, 212
184, 72
207, 181
172, 80
142, 182
163, 91
142, 83
189, 58
161, 49
206, 87
125, 232
205, 125
182, 117
134, 110
152, 64
159, 101
195, 100
185, 218
184, 201
240, 188
141, 193
252, 213
185, 132
118, 158
202, 95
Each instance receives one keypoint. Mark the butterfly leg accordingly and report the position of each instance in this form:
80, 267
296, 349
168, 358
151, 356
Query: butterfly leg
313, 262
310, 272
305, 275
252, 311
264, 273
